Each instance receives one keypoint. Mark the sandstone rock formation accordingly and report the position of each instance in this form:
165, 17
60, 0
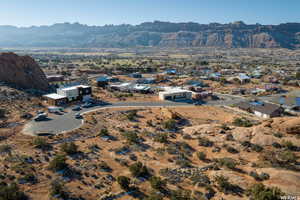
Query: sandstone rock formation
22, 72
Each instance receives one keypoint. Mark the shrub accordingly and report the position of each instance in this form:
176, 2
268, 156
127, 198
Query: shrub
104, 166
170, 124
256, 147
227, 162
58, 163
223, 184
124, 182
29, 178
287, 156
40, 143
261, 192
242, 122
58, 190
205, 142
180, 195
104, 132
69, 148
5, 149
231, 150
131, 137
131, 115
201, 155
157, 183
2, 112
138, 170
11, 192
289, 145
161, 137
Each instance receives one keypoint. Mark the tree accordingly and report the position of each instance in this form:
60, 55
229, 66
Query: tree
40, 143
170, 124
201, 155
131, 137
58, 189
261, 192
2, 112
58, 163
124, 182
298, 75
11, 192
138, 170
157, 183
69, 148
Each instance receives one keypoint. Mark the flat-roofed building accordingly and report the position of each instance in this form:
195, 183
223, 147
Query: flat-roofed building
55, 99
174, 94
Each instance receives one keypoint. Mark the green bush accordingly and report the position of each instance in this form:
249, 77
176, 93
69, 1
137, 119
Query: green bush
242, 122
157, 183
11, 192
124, 182
104, 132
131, 137
261, 192
40, 143
2, 112
170, 124
138, 170
201, 155
69, 148
202, 141
5, 149
131, 115
161, 137
227, 162
58, 163
58, 190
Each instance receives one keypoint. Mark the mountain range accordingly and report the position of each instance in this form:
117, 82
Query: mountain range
157, 33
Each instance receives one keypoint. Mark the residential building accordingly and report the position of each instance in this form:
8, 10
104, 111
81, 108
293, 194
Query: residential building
261, 109
174, 94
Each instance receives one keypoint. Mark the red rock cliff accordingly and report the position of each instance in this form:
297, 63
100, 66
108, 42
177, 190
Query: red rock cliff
22, 71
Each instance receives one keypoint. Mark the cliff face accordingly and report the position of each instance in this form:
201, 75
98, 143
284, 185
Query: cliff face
22, 71
164, 34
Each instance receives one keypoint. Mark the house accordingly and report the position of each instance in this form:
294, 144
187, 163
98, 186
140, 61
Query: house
135, 75
55, 99
68, 94
243, 78
55, 78
102, 81
146, 81
261, 109
171, 71
174, 94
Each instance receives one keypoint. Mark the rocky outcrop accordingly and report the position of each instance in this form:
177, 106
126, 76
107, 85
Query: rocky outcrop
22, 72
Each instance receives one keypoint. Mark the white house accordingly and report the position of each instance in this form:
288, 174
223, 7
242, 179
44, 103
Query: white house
176, 93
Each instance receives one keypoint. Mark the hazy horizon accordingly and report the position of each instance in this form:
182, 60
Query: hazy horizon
38, 13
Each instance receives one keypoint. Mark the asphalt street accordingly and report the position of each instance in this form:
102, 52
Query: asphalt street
61, 123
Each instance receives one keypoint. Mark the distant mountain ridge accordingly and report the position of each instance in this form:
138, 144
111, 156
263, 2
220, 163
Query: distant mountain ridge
157, 33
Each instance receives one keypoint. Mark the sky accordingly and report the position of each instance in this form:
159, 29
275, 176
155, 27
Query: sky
101, 12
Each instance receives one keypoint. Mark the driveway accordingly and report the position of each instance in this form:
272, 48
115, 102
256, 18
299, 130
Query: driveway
61, 123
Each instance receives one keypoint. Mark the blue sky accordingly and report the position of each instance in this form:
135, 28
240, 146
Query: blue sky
100, 12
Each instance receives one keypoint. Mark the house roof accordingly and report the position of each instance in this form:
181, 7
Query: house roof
262, 107
54, 96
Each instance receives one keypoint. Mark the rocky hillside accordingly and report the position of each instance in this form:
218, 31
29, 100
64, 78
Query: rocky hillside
162, 34
22, 72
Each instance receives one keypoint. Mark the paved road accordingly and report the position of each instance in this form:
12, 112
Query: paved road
66, 122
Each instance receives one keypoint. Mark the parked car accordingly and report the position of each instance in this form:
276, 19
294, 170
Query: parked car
78, 116
87, 105
198, 103
76, 108
40, 117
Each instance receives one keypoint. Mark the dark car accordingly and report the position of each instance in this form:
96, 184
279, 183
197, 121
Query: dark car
76, 108
40, 117
87, 105
198, 103
78, 116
